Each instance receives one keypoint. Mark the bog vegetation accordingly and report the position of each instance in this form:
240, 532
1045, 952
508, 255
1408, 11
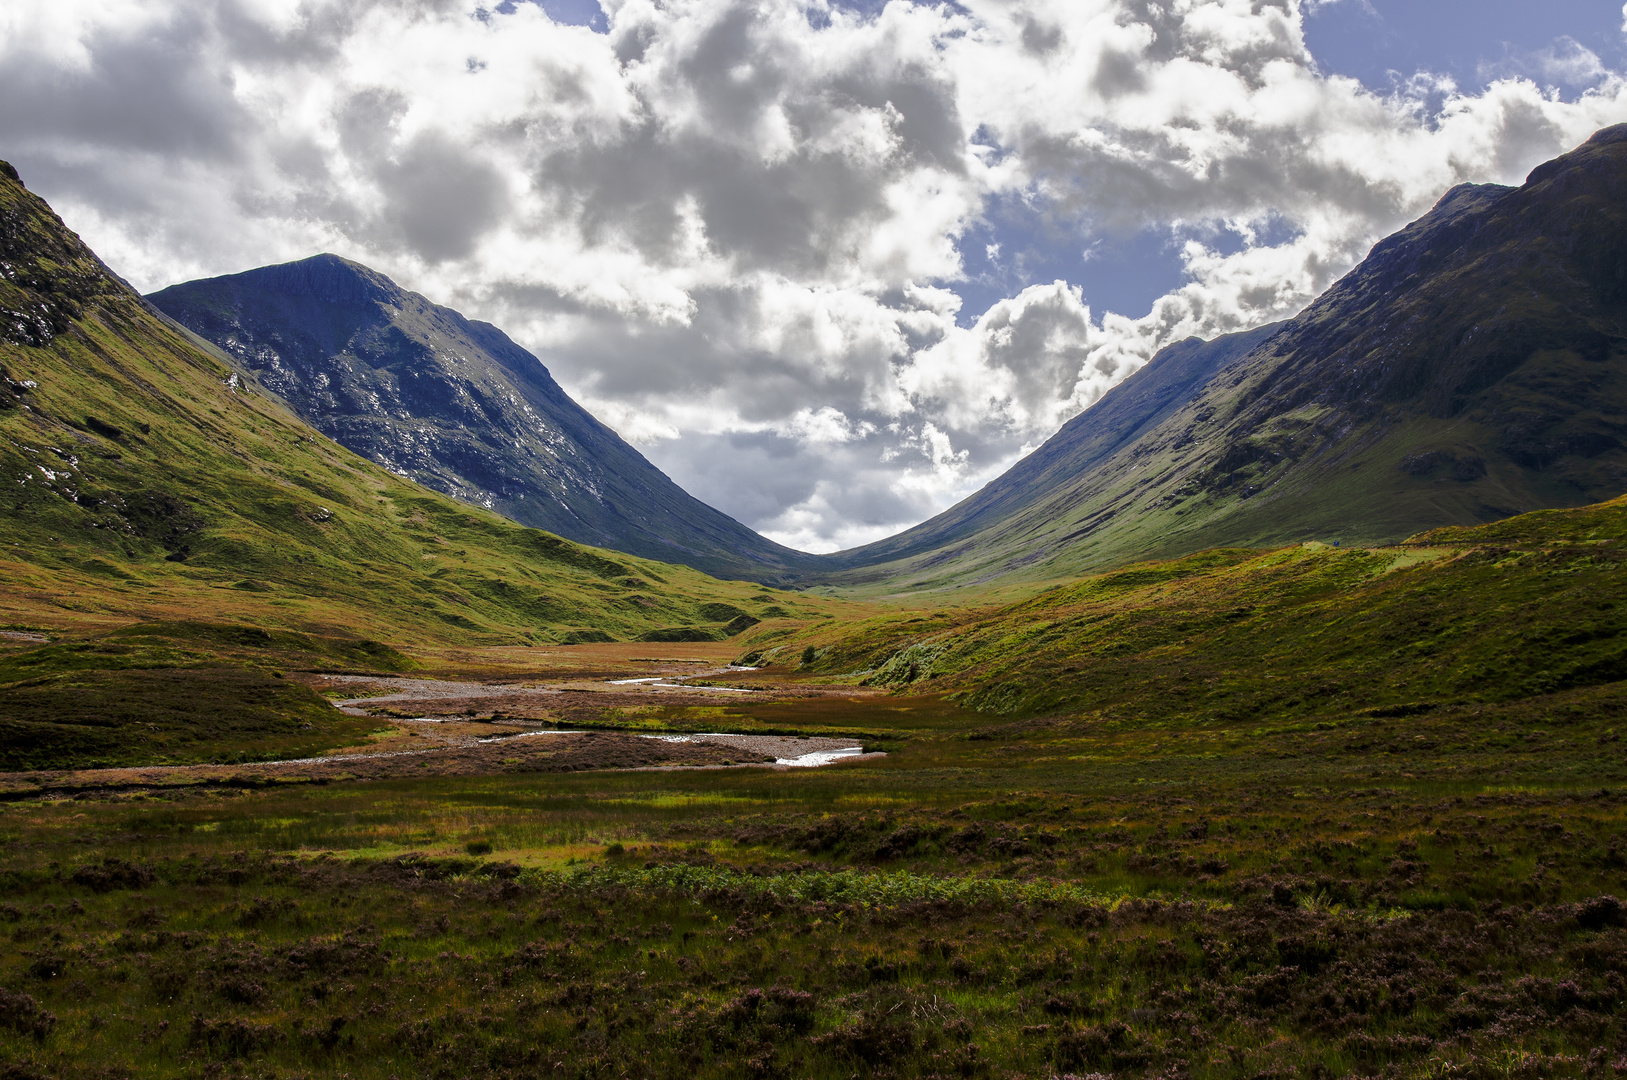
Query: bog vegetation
994, 907
1303, 813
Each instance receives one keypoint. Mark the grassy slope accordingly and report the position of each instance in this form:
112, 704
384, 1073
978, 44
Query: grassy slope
140, 480
1473, 367
1512, 611
1172, 378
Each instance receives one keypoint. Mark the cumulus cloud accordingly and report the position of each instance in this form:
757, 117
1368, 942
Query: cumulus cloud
735, 228
1570, 63
1564, 63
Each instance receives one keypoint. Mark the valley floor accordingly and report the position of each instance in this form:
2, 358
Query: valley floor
452, 727
1246, 815
1000, 899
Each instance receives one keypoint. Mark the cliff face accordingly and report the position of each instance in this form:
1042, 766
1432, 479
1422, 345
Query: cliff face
457, 406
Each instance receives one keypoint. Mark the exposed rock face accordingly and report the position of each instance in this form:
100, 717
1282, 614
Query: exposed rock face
457, 406
48, 277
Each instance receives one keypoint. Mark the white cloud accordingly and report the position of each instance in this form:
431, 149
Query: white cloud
1570, 63
735, 229
1564, 63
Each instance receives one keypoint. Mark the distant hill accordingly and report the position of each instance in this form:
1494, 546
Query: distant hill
142, 478
456, 406
1474, 366
1088, 441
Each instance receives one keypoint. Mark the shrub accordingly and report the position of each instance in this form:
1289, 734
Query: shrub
23, 1014
112, 873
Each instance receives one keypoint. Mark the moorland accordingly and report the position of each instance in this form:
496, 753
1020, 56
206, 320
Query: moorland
1405, 865
306, 769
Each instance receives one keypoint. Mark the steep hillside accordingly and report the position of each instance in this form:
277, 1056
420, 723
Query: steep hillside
144, 478
458, 407
1472, 367
1168, 381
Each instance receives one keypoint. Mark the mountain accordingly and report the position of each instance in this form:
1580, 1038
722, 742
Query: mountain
1139, 403
133, 459
457, 406
1474, 366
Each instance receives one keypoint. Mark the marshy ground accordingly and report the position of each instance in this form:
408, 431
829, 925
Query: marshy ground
518, 722
1247, 815
987, 900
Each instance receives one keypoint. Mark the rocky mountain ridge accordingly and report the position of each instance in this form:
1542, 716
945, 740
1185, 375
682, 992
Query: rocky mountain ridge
454, 404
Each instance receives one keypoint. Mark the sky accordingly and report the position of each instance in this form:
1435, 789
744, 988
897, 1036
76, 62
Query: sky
831, 265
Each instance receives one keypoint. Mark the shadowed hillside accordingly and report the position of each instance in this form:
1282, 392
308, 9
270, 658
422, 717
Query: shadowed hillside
457, 406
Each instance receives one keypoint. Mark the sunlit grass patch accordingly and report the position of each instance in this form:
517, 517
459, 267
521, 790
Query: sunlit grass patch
684, 801
872, 799
867, 890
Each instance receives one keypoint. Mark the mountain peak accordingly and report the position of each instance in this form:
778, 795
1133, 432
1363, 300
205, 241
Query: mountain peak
330, 278
456, 406
1583, 155
1614, 134
1473, 365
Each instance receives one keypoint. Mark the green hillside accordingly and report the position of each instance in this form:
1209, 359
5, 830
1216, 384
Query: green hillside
1524, 617
1473, 367
142, 480
1032, 489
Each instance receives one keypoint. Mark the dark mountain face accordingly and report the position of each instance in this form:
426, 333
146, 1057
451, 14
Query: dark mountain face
145, 479
1480, 311
1473, 366
457, 406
